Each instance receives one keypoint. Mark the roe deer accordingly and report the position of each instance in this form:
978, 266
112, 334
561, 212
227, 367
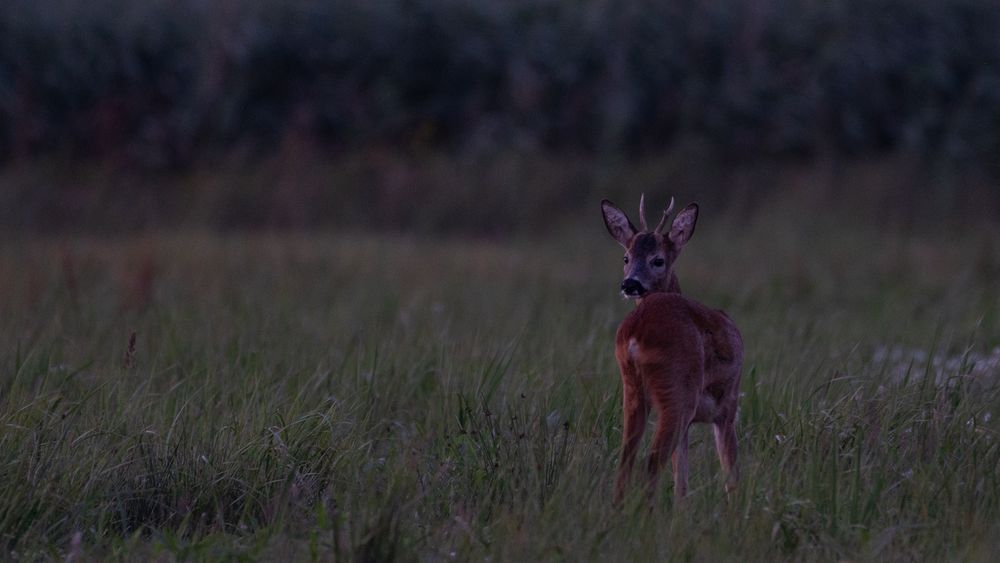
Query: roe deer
675, 354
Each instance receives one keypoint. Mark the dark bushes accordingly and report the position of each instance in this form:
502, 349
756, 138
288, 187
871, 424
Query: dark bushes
158, 83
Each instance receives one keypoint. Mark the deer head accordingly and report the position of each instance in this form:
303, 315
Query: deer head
650, 255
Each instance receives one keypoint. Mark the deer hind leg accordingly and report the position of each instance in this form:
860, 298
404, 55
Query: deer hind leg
670, 442
725, 445
680, 463
636, 411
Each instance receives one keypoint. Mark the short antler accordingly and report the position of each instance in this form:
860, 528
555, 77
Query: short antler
663, 221
642, 211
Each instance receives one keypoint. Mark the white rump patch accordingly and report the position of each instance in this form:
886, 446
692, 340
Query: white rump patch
633, 349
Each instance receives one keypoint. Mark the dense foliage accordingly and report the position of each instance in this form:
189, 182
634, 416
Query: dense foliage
160, 82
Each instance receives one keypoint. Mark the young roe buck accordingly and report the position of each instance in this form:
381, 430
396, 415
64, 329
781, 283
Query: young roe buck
675, 354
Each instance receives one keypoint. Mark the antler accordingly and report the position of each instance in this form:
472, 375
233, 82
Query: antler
663, 222
642, 212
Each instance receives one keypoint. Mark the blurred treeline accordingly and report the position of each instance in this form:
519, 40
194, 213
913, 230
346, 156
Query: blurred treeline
162, 86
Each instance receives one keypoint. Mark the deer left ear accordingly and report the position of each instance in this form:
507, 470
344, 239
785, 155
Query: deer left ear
683, 227
621, 229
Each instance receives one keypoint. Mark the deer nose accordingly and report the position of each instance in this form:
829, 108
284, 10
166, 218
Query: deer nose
631, 287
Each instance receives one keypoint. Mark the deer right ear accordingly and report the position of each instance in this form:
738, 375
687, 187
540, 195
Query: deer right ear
621, 229
683, 227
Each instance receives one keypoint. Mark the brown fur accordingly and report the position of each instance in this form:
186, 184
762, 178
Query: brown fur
676, 356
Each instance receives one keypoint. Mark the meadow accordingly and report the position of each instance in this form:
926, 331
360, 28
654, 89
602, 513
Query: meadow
369, 397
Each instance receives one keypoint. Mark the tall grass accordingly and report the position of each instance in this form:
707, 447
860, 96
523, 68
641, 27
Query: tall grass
377, 398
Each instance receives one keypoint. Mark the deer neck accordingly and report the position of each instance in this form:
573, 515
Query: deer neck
673, 286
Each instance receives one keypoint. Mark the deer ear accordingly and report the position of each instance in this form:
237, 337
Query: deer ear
683, 227
621, 229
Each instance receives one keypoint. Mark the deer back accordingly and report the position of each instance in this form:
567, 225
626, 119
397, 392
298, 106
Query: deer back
668, 335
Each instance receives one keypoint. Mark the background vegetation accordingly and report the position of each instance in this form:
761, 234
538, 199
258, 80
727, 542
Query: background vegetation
118, 115
165, 80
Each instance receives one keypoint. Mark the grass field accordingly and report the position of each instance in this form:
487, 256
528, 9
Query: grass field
386, 397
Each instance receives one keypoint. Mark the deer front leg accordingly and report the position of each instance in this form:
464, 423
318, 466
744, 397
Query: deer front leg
635, 410
725, 445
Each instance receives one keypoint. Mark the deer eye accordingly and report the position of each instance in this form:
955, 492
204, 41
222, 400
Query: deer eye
626, 258
657, 262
